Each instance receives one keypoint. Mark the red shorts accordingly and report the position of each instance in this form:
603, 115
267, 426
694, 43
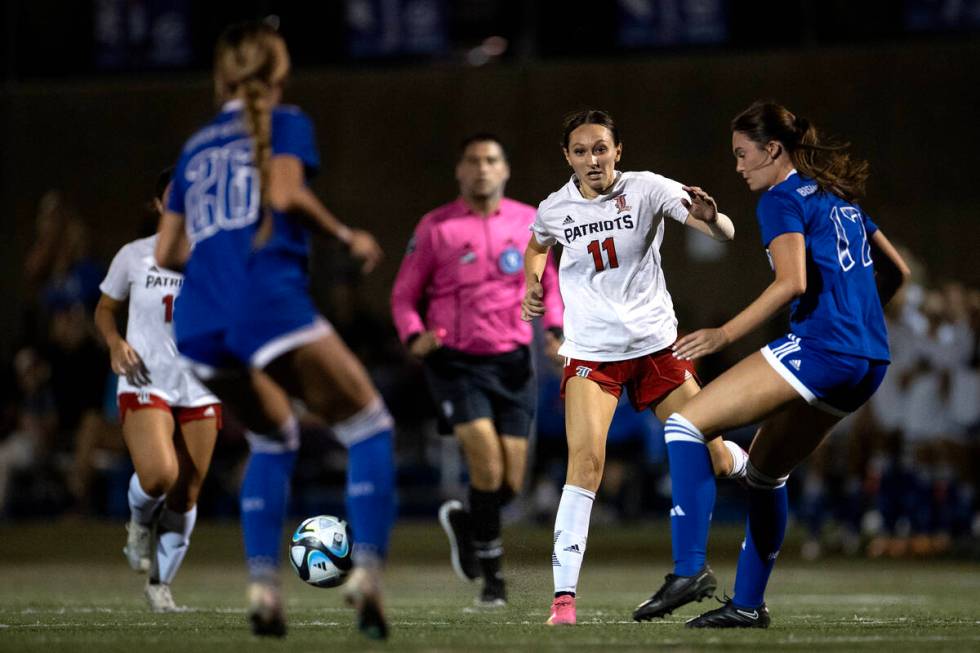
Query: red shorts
648, 379
132, 401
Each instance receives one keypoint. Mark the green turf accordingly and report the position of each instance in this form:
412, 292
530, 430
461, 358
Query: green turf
65, 587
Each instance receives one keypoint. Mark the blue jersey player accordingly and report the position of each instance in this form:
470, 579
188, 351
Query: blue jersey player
834, 269
237, 222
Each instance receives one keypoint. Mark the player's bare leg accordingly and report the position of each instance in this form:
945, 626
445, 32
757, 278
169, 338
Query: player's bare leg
148, 434
588, 412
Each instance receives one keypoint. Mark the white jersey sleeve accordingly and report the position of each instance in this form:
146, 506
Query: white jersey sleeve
540, 230
665, 195
118, 279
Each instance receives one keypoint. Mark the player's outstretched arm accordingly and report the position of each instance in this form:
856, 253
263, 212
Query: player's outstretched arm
535, 258
703, 215
891, 270
789, 261
288, 193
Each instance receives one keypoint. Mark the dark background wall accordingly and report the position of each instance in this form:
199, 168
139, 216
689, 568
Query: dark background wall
388, 139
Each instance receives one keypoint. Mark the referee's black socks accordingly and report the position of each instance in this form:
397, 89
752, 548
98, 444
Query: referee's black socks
485, 523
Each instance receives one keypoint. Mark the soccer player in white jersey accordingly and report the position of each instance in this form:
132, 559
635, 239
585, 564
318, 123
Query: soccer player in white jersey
619, 326
169, 420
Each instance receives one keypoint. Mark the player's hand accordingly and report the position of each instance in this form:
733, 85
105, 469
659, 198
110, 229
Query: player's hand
532, 305
701, 206
426, 343
366, 249
126, 362
700, 343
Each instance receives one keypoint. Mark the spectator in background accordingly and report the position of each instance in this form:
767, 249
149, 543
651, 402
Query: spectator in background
35, 422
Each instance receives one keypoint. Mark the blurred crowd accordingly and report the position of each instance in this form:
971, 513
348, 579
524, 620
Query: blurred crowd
897, 478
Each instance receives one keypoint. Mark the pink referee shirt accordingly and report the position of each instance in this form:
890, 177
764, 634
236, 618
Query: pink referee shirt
468, 272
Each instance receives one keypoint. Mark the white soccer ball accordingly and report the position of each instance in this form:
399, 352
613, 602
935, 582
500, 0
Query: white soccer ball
321, 551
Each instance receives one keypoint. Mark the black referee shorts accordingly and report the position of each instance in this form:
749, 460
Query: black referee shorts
467, 387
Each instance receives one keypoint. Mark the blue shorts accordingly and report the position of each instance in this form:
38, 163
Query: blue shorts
206, 354
836, 383
276, 314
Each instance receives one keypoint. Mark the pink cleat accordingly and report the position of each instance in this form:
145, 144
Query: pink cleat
562, 611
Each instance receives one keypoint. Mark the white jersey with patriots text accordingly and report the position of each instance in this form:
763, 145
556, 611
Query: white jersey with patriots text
616, 302
152, 291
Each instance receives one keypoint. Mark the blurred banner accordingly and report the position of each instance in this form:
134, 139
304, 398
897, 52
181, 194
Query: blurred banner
140, 34
941, 15
659, 23
394, 28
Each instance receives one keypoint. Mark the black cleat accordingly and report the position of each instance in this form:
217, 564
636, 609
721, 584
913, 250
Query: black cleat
729, 616
265, 613
494, 595
675, 592
363, 593
456, 522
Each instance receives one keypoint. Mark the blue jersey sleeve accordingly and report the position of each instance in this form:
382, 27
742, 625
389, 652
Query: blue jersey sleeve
778, 214
292, 133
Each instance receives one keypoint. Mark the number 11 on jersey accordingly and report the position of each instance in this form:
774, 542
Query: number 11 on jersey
610, 246
168, 308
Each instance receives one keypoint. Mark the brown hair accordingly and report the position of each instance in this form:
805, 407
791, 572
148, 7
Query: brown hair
251, 57
827, 163
576, 119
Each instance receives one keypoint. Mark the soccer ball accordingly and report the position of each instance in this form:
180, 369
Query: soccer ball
321, 551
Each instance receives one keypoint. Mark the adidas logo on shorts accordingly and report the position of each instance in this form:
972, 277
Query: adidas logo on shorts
796, 364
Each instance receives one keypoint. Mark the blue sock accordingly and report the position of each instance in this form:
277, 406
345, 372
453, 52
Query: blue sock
764, 532
265, 493
371, 495
692, 483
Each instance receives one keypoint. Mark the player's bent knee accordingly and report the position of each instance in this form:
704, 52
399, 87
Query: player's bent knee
365, 423
760, 480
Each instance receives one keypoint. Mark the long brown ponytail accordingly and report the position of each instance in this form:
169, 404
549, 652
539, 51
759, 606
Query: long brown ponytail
827, 163
251, 57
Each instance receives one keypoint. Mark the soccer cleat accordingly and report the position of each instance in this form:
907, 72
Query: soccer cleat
138, 549
675, 592
265, 611
159, 598
730, 616
493, 595
456, 522
363, 593
562, 611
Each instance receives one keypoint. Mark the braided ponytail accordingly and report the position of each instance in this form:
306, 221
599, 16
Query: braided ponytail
827, 163
250, 60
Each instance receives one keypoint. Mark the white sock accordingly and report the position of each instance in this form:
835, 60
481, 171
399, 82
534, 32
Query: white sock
142, 506
740, 459
172, 541
571, 532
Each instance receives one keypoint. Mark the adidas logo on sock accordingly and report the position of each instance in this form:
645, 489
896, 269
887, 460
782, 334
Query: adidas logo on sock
573, 549
568, 220
795, 363
677, 511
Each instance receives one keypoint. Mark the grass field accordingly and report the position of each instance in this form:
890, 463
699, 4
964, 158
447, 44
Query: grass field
65, 587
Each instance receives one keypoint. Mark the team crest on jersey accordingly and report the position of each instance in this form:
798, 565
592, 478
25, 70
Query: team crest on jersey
621, 204
511, 261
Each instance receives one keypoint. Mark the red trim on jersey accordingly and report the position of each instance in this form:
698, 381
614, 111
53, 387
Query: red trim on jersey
648, 379
131, 401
